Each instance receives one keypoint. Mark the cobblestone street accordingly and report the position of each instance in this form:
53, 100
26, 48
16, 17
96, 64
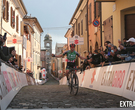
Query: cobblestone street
52, 95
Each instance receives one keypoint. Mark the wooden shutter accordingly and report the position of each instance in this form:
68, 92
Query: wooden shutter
4, 9
90, 14
22, 28
130, 26
11, 11
16, 23
108, 29
86, 22
79, 29
7, 11
82, 27
13, 19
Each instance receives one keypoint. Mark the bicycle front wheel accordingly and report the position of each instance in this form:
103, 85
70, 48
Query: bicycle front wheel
74, 84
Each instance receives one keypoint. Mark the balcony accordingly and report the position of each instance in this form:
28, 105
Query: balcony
105, 0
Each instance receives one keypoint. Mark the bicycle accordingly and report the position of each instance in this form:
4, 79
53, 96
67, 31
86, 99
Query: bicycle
73, 81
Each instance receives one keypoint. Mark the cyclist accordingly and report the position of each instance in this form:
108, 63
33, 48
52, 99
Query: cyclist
71, 57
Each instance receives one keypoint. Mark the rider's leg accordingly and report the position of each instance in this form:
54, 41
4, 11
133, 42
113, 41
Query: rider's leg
67, 71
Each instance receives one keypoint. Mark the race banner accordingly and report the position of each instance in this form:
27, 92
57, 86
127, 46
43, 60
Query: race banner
113, 78
129, 89
11, 81
92, 78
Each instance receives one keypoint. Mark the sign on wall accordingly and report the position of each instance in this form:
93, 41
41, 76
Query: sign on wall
14, 39
76, 40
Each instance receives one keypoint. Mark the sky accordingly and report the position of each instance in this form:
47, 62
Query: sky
54, 17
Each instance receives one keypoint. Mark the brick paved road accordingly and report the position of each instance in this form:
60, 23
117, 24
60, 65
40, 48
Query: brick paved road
52, 95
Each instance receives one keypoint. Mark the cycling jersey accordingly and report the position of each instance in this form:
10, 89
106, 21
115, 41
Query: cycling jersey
71, 57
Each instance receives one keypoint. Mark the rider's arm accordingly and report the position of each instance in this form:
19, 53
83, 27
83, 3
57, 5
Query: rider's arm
58, 56
83, 58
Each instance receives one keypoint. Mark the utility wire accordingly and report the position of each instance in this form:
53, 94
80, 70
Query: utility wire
56, 28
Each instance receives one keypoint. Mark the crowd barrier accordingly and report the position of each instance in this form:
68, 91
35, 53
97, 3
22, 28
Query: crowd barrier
115, 79
11, 81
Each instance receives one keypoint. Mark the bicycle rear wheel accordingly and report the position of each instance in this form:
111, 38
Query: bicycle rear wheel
74, 84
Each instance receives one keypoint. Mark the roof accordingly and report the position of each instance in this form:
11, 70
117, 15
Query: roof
79, 4
36, 21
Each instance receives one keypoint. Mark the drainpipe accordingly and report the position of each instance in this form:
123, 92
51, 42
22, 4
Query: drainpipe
87, 28
101, 22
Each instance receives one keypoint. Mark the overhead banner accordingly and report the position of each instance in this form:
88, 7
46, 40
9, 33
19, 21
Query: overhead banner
129, 89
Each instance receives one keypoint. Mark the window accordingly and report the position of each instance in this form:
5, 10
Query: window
82, 27
90, 17
6, 10
79, 29
12, 18
86, 22
97, 8
17, 24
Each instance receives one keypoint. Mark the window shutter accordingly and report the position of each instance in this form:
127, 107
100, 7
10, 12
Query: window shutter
7, 16
22, 28
90, 17
13, 19
4, 9
94, 10
82, 27
17, 23
11, 16
79, 29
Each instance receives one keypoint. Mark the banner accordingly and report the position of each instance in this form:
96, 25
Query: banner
113, 78
11, 81
129, 89
92, 78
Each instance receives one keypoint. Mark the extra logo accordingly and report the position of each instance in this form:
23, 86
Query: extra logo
127, 103
131, 81
113, 78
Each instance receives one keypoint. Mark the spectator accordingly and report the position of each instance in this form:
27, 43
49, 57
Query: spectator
86, 65
125, 44
114, 53
20, 68
10, 60
106, 45
15, 63
131, 53
96, 59
2, 56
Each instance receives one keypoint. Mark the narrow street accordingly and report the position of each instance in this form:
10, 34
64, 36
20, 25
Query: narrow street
52, 95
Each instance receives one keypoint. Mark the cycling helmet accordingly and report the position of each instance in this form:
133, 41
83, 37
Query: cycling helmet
72, 45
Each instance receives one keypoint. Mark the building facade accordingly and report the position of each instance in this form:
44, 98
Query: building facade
33, 44
12, 18
80, 27
94, 33
118, 20
59, 62
43, 58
